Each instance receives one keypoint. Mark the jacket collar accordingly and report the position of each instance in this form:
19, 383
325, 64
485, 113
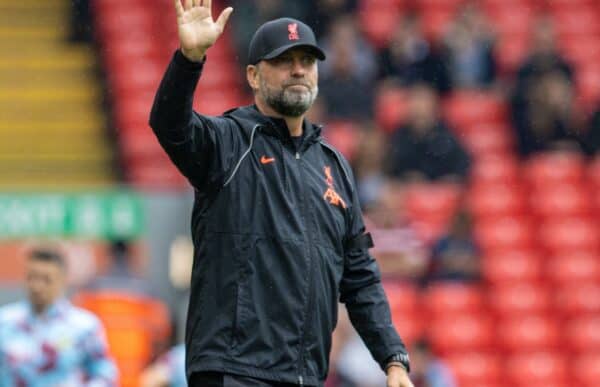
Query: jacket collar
274, 126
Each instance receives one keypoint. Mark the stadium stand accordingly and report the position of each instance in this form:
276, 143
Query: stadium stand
52, 131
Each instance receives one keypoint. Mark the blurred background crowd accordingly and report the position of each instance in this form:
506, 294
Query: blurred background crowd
473, 127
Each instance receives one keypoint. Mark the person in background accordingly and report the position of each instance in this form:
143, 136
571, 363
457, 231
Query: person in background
45, 340
423, 148
400, 252
346, 86
455, 256
120, 275
469, 48
167, 371
549, 119
430, 371
409, 58
322, 13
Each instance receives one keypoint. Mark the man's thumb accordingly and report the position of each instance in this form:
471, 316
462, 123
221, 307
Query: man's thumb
223, 17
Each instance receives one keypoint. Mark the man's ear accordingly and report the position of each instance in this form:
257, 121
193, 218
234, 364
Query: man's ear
252, 76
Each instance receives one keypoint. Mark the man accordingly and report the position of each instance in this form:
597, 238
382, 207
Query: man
46, 341
277, 228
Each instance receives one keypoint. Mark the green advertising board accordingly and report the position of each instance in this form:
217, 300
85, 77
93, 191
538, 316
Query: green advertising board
111, 215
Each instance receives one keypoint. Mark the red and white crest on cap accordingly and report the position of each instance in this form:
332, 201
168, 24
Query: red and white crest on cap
293, 31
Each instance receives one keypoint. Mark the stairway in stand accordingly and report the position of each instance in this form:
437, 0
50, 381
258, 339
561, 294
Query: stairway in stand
52, 127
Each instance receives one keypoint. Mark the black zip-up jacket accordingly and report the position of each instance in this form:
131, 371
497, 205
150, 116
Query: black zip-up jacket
279, 239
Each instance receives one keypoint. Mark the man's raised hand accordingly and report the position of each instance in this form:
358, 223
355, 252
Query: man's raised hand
197, 30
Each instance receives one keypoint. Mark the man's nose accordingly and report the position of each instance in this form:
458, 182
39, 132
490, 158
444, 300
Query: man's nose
297, 68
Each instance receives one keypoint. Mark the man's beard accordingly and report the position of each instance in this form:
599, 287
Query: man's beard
289, 103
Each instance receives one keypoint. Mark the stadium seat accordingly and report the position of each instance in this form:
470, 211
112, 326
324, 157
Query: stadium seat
587, 83
410, 327
344, 135
582, 21
495, 200
586, 369
503, 233
475, 368
482, 143
469, 108
524, 333
442, 298
579, 301
554, 168
402, 296
453, 334
511, 266
495, 170
379, 22
583, 334
569, 234
560, 201
536, 369
435, 22
513, 299
574, 267
510, 51
390, 108
509, 20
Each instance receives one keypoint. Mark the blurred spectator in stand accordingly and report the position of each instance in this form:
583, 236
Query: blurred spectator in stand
368, 165
346, 86
81, 21
549, 120
45, 340
352, 364
120, 274
427, 370
455, 256
167, 371
469, 48
423, 148
592, 137
321, 13
398, 250
410, 58
542, 104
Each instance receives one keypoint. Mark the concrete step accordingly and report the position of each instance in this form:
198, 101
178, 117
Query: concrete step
33, 4
15, 17
59, 127
53, 144
51, 111
40, 33
74, 93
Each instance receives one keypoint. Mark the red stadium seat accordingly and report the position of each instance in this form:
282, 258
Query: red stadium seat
378, 23
518, 298
495, 200
503, 233
510, 20
411, 328
390, 108
528, 333
560, 201
582, 21
586, 369
554, 168
510, 52
468, 108
483, 143
452, 298
453, 334
475, 368
588, 85
593, 174
583, 334
536, 369
345, 136
581, 50
496, 170
435, 22
569, 234
574, 267
511, 267
580, 300
402, 296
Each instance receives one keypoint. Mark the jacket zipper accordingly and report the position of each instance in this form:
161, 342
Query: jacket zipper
310, 276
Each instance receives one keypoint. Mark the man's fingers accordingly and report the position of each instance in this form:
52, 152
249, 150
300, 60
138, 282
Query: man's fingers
196, 3
207, 4
223, 17
178, 8
187, 5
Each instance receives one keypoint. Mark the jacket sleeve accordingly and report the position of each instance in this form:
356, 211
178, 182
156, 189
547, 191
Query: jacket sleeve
201, 147
98, 367
363, 294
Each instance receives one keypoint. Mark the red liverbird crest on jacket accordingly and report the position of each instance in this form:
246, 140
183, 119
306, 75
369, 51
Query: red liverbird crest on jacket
293, 31
331, 195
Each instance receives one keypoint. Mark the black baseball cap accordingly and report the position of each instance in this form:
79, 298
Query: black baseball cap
277, 36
